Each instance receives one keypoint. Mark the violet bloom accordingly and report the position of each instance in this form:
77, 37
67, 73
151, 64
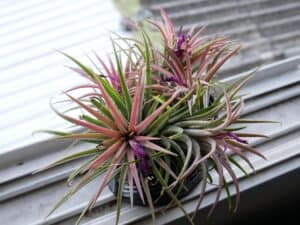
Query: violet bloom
140, 154
181, 39
237, 138
115, 82
174, 79
231, 135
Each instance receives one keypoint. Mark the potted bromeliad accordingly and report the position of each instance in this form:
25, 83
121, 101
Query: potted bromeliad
159, 120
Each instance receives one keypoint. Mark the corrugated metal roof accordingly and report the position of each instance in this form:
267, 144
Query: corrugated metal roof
31, 70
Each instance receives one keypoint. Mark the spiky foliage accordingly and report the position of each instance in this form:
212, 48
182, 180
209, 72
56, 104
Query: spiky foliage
152, 116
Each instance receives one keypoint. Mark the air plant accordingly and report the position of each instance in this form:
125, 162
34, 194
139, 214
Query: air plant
151, 117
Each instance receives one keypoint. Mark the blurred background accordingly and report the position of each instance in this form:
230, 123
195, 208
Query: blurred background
32, 70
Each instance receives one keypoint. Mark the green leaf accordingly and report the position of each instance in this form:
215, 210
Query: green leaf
154, 128
153, 107
231, 159
217, 56
254, 121
80, 169
87, 70
92, 120
100, 105
170, 193
234, 128
72, 157
54, 132
229, 198
115, 96
84, 181
174, 132
124, 87
122, 179
85, 210
148, 67
146, 189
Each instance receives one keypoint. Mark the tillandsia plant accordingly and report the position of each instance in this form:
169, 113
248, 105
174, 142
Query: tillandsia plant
157, 117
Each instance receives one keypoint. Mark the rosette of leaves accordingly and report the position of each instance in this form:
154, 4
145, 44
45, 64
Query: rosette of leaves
147, 110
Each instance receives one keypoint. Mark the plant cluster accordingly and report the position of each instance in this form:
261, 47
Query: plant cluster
155, 113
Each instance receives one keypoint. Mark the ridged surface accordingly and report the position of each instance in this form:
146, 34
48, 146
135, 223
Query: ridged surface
26, 199
31, 69
268, 29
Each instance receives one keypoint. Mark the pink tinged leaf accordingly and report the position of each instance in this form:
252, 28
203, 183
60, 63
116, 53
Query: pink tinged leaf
91, 94
245, 147
203, 188
119, 145
168, 22
189, 70
236, 138
202, 68
243, 156
146, 122
176, 64
81, 86
160, 27
203, 62
146, 138
196, 45
157, 87
118, 117
166, 167
221, 183
134, 172
102, 63
109, 142
215, 68
130, 184
114, 77
80, 72
110, 73
191, 30
117, 158
197, 157
155, 147
175, 69
167, 28
104, 131
242, 134
236, 114
213, 148
99, 116
234, 179
128, 64
162, 70
228, 116
196, 35
136, 105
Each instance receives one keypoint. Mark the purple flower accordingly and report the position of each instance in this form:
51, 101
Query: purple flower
237, 138
140, 154
230, 135
180, 41
115, 82
174, 79
181, 38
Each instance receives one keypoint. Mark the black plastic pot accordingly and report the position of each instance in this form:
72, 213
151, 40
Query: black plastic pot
155, 189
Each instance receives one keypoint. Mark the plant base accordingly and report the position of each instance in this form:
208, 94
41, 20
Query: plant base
155, 189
